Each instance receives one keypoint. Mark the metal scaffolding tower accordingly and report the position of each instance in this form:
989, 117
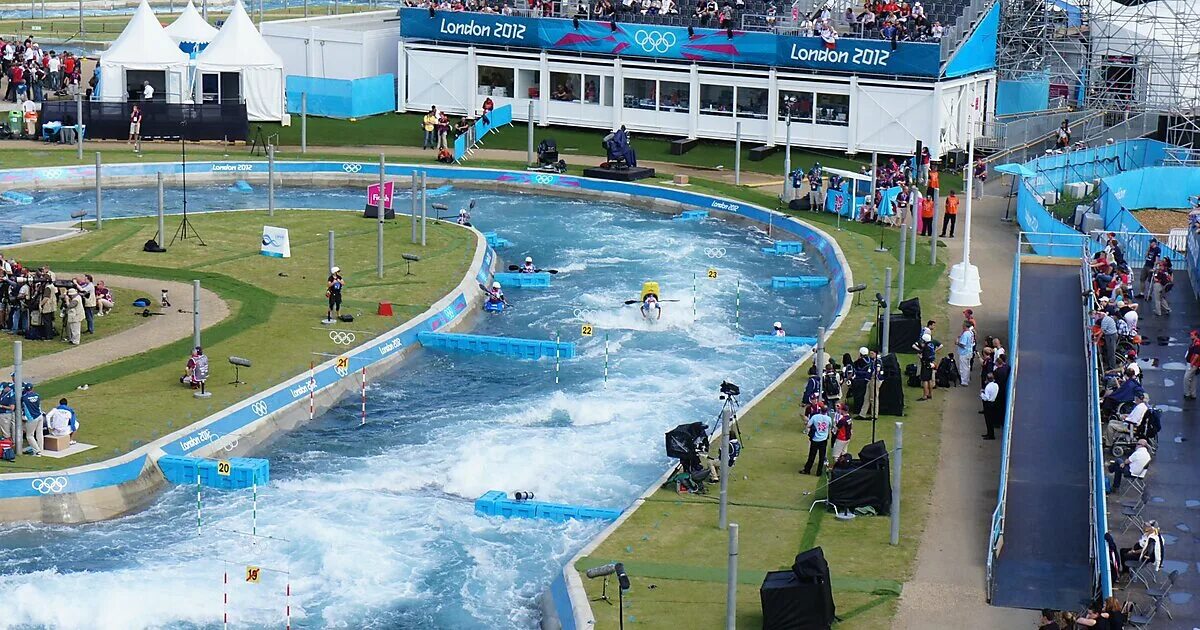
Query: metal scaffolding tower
1145, 61
1044, 41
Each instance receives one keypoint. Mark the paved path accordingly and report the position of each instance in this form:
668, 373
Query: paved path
152, 333
947, 587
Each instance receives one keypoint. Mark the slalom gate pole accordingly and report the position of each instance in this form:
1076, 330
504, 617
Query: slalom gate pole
364, 396
312, 387
557, 352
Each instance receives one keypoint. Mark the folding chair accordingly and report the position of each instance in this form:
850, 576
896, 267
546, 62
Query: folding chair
1145, 573
1137, 484
1160, 593
1132, 510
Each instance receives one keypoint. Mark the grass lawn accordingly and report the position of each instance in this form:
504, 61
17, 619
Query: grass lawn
672, 548
276, 306
122, 318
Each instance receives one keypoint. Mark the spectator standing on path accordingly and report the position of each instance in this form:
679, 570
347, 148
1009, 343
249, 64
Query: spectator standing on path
980, 175
87, 293
135, 124
29, 111
950, 218
819, 425
1193, 362
964, 352
1163, 282
1108, 330
927, 349
75, 316
1153, 252
990, 395
8, 407
428, 122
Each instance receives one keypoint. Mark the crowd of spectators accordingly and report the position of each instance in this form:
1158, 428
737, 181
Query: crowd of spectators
29, 71
38, 305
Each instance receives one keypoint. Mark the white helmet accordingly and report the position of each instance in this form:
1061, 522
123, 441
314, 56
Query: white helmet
334, 269
529, 259
495, 285
863, 351
778, 325
927, 337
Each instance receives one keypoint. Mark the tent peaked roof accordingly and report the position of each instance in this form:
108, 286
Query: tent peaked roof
190, 27
144, 44
239, 45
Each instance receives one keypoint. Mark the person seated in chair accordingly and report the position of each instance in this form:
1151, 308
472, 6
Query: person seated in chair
1133, 466
1148, 548
196, 371
618, 148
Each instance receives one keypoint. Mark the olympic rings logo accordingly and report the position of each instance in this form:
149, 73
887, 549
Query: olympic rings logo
50, 485
544, 179
341, 337
351, 167
52, 173
232, 445
584, 314
714, 252
342, 370
259, 408
654, 41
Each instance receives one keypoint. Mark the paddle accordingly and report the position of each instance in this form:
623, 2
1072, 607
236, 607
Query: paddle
488, 291
636, 301
516, 268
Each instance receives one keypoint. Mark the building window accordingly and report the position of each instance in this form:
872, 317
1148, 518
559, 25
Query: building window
565, 87
752, 102
798, 104
529, 83
606, 94
833, 109
716, 100
591, 88
495, 81
640, 93
673, 96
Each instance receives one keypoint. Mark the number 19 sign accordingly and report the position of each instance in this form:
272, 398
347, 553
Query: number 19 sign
373, 195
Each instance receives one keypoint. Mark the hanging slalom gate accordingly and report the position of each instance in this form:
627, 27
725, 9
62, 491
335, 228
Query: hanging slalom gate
255, 580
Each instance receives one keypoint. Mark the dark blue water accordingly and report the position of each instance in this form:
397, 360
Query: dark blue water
376, 525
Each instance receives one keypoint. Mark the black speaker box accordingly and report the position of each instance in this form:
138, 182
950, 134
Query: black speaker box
911, 308
891, 390
800, 203
800, 599
903, 334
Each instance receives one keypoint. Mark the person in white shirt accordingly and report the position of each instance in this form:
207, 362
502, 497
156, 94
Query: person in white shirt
1135, 466
1138, 414
29, 110
965, 351
147, 91
53, 67
61, 420
993, 414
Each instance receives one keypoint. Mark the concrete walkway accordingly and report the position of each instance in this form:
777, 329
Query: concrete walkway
152, 333
947, 588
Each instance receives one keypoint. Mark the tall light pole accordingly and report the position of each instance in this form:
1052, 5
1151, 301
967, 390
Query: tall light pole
964, 277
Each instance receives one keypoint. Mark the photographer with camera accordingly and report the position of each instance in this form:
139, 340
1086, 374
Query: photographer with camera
819, 425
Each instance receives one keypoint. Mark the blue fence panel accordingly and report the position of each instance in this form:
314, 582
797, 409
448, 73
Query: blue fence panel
1047, 235
341, 98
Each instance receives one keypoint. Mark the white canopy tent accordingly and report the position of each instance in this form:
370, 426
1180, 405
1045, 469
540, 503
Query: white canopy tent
240, 49
190, 31
143, 52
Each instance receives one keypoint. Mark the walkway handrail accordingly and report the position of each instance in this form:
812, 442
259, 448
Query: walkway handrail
996, 537
1098, 514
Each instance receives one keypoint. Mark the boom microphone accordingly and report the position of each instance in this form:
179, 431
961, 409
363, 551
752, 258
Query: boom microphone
601, 571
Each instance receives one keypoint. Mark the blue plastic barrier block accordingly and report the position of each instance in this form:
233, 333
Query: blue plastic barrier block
691, 215
604, 514
486, 504
555, 512
538, 280
496, 241
241, 185
794, 341
176, 469
793, 282
516, 509
506, 346
244, 472
17, 197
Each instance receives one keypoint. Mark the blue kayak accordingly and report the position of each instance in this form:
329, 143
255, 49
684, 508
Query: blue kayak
493, 306
793, 341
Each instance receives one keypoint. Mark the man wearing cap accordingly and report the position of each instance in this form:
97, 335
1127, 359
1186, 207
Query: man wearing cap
1153, 251
75, 315
819, 425
31, 412
859, 384
335, 284
927, 348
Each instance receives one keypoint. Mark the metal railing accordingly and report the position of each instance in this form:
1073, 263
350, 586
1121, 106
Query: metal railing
1098, 510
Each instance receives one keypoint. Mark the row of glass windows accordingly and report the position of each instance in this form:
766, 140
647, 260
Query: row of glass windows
667, 96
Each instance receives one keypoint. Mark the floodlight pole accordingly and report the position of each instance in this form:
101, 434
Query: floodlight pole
731, 580
99, 203
787, 158
379, 214
270, 180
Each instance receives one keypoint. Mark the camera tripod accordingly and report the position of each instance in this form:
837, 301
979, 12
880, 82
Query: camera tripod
185, 230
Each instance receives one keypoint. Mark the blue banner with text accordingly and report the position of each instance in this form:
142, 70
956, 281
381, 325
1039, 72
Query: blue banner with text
672, 42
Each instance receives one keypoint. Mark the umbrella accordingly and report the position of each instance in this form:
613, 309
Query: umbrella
1014, 168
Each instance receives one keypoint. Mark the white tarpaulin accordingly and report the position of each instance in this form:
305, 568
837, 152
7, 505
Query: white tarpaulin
143, 45
239, 47
190, 30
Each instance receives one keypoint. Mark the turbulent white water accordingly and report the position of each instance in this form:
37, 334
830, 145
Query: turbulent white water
376, 525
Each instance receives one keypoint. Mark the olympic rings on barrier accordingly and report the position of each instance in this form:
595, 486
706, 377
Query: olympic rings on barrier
232, 445
654, 41
544, 180
50, 485
259, 408
341, 337
584, 313
714, 252
351, 167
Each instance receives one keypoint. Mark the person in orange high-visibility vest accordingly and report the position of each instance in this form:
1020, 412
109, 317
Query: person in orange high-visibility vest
927, 216
951, 216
